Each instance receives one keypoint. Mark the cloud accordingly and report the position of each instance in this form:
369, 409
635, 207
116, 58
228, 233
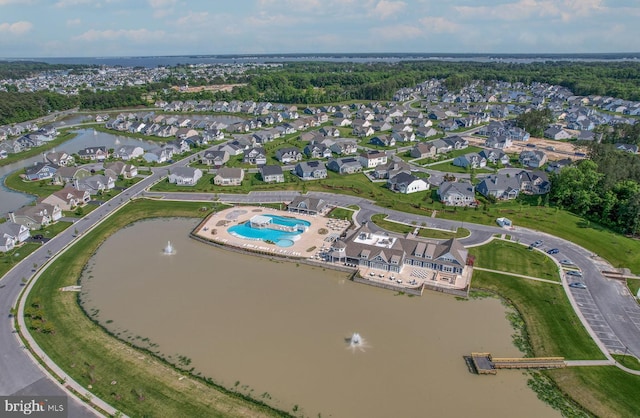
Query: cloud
525, 9
162, 4
69, 3
73, 22
397, 32
16, 28
133, 35
439, 25
385, 8
194, 18
6, 2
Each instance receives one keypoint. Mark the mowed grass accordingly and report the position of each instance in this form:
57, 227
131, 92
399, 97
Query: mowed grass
40, 188
379, 219
605, 391
11, 258
552, 326
628, 361
145, 386
515, 258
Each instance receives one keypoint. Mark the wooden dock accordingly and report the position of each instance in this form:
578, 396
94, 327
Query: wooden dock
485, 363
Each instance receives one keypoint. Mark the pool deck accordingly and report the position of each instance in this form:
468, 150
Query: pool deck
216, 229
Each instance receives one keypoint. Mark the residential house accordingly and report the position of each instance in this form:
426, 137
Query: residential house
453, 193
95, 184
288, 155
344, 165
308, 205
311, 170
532, 158
68, 198
66, 175
271, 174
94, 153
407, 183
229, 176
317, 150
60, 159
534, 182
344, 147
233, 148
500, 186
128, 152
494, 156
556, 166
498, 142
372, 158
11, 234
185, 176
391, 169
383, 141
36, 216
556, 132
118, 169
40, 171
472, 160
631, 148
456, 142
215, 158
255, 155
403, 136
423, 150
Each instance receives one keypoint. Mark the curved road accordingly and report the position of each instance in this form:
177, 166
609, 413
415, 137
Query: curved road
610, 312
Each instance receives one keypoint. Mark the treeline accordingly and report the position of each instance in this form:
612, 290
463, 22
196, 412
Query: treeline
24, 69
101, 100
620, 133
322, 82
20, 107
604, 189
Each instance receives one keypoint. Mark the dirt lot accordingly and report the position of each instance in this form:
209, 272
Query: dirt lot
214, 88
560, 150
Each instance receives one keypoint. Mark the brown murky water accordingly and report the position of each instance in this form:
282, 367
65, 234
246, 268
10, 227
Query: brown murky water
279, 330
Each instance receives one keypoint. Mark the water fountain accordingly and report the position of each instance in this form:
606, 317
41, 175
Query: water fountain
169, 248
355, 340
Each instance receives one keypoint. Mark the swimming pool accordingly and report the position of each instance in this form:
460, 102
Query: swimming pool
280, 238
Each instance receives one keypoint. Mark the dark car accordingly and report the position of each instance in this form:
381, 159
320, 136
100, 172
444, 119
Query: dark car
38, 236
574, 273
553, 251
578, 285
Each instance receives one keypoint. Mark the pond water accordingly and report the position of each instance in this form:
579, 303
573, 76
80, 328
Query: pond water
281, 332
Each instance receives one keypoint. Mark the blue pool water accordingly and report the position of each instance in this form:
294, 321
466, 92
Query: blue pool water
281, 238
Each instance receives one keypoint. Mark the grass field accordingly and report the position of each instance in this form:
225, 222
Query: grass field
552, 326
379, 219
628, 361
11, 258
515, 258
145, 385
40, 188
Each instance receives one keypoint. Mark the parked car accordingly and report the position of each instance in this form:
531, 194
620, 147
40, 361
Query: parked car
574, 273
578, 285
38, 236
553, 251
567, 262
536, 244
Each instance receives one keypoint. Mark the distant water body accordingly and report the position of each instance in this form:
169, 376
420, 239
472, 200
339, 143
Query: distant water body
155, 61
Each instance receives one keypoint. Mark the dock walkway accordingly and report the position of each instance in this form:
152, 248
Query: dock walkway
485, 363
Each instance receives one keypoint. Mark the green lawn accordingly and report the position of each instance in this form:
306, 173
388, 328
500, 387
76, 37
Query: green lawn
11, 258
515, 258
605, 391
552, 326
628, 361
341, 213
634, 286
145, 386
54, 229
448, 167
40, 188
380, 220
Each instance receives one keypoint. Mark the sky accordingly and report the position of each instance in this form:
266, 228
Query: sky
100, 28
